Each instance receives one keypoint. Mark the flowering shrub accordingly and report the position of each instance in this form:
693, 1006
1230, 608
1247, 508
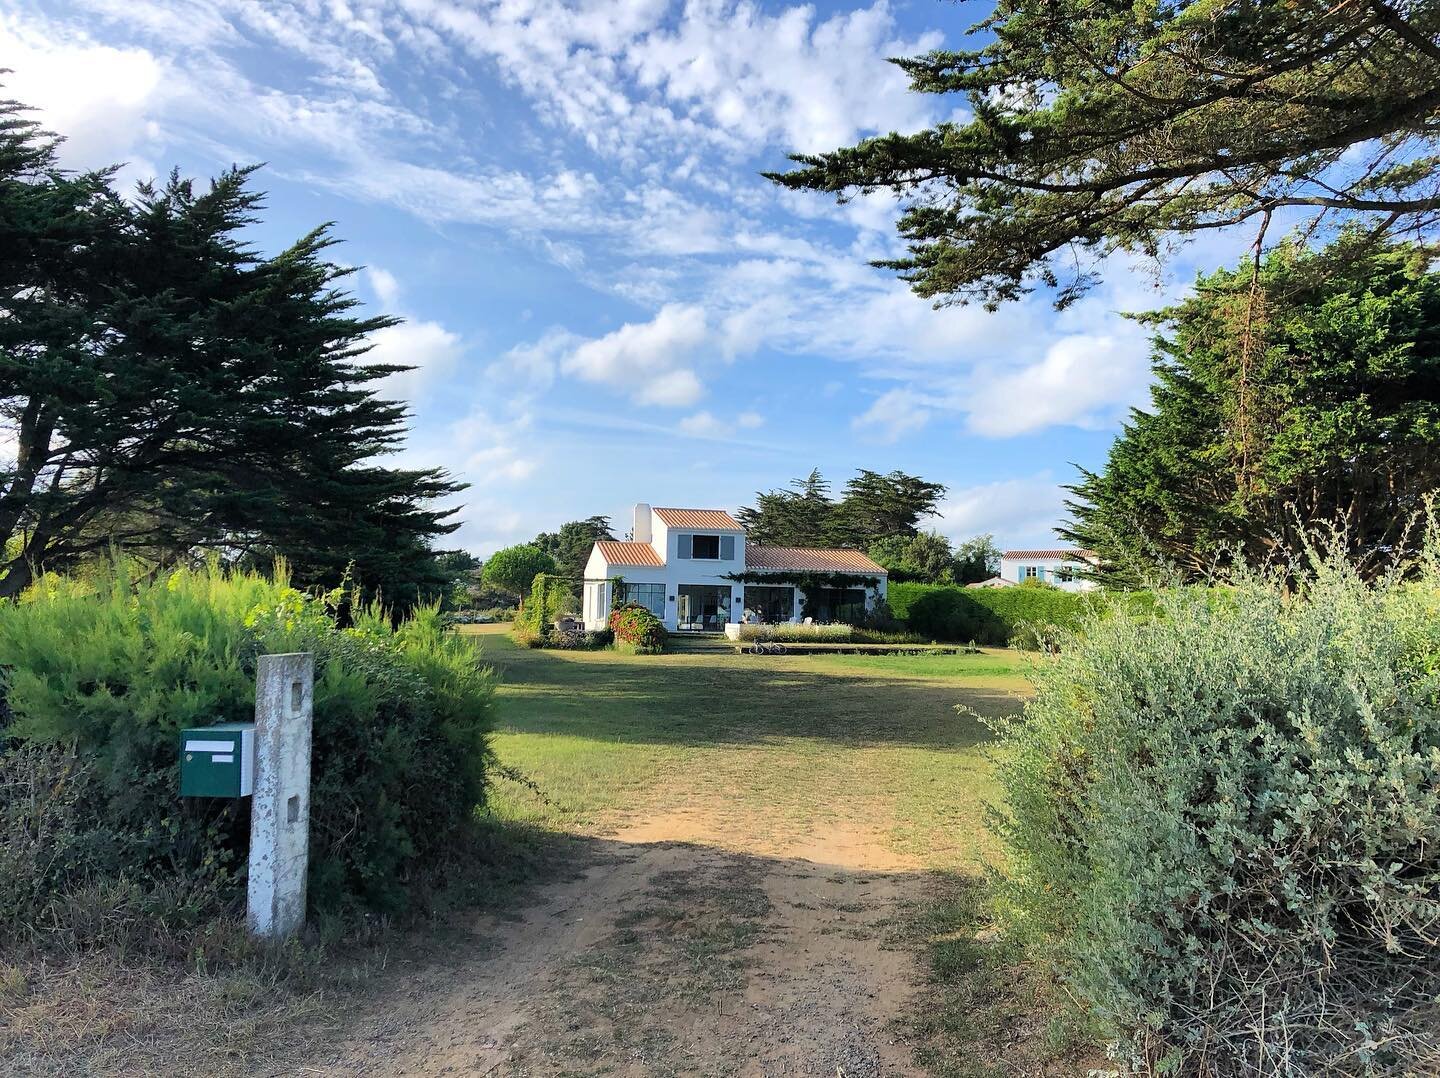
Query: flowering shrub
1224, 824
637, 629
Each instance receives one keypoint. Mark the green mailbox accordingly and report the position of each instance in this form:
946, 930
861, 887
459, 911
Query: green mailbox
218, 761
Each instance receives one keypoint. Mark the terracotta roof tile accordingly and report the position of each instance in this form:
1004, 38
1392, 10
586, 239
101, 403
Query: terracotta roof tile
698, 518
810, 560
1083, 555
618, 553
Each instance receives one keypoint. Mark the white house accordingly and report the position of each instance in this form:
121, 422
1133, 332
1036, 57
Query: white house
694, 570
1061, 568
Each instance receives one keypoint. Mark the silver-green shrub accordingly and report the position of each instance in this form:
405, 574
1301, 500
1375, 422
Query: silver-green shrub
1223, 821
797, 634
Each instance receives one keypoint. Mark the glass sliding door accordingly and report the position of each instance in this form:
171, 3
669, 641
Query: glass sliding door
702, 607
769, 604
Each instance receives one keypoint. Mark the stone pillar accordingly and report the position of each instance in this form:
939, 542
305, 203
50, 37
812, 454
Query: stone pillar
280, 807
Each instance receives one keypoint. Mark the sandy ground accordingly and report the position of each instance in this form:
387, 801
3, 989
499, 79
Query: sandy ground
687, 945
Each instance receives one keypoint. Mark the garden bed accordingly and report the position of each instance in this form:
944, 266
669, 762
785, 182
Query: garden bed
750, 647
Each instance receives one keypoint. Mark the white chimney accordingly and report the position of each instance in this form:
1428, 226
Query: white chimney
641, 529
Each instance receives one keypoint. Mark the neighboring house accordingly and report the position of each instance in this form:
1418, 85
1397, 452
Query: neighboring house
1061, 568
993, 582
680, 563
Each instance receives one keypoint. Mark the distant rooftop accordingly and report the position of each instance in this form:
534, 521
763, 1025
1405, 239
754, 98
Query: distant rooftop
1040, 555
698, 518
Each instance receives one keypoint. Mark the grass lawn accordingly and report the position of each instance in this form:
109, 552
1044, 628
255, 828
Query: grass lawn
823, 758
793, 741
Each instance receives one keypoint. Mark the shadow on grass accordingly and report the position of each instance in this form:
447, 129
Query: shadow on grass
737, 700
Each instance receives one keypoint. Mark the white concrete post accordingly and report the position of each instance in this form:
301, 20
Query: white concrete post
280, 807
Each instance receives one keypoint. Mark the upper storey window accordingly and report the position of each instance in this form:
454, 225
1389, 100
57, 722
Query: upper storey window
707, 547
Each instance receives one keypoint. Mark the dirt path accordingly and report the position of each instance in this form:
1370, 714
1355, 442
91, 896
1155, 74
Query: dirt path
684, 947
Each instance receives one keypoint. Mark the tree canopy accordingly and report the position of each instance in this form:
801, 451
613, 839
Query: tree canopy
570, 546
797, 516
1307, 391
168, 388
1095, 127
514, 568
871, 508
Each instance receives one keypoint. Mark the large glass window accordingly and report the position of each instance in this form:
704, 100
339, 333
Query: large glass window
843, 605
650, 596
702, 607
769, 604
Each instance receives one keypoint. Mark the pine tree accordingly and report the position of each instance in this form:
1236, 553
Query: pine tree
170, 389
1322, 406
799, 516
1099, 127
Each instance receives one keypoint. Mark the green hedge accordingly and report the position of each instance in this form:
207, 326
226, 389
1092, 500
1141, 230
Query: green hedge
996, 616
101, 675
1223, 825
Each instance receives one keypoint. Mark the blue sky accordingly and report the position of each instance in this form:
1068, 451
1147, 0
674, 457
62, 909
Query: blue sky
605, 301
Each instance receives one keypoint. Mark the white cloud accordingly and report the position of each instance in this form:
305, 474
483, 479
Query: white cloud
533, 365
676, 389
429, 347
704, 425
895, 413
384, 285
1018, 512
762, 78
1082, 380
647, 359
499, 463
102, 99
750, 420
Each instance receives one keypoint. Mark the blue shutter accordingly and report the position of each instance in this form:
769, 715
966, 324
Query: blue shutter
727, 548
687, 546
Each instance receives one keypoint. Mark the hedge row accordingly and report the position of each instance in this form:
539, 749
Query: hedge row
1223, 825
100, 675
996, 616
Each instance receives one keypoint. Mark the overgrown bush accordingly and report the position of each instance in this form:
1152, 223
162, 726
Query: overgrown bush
579, 640
998, 616
100, 676
637, 630
551, 597
1224, 825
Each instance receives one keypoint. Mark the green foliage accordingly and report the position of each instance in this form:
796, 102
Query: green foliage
513, 569
997, 616
787, 633
570, 546
977, 559
1313, 397
551, 598
799, 516
1099, 127
637, 630
106, 671
798, 634
873, 507
1224, 824
169, 388
460, 585
926, 557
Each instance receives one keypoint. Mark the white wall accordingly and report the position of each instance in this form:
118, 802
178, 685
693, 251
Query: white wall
1047, 570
